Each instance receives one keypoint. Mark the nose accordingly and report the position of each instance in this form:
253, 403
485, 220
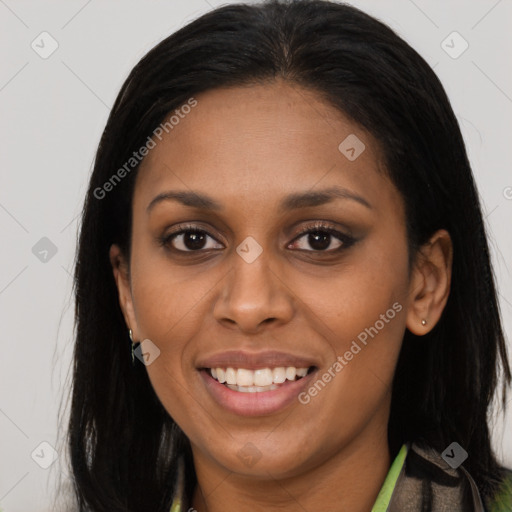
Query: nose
254, 295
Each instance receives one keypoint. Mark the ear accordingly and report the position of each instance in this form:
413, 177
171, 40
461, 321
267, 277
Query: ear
430, 283
122, 279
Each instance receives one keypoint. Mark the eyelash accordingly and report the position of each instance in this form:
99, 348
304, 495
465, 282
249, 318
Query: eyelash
346, 240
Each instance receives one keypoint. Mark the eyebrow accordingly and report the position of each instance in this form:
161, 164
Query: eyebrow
290, 202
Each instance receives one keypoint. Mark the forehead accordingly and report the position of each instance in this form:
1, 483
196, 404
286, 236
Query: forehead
260, 143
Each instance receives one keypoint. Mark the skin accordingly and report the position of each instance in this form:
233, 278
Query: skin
248, 148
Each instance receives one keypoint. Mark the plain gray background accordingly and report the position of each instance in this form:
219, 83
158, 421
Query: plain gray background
53, 111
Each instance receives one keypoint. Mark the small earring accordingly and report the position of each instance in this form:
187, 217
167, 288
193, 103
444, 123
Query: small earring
130, 333
423, 322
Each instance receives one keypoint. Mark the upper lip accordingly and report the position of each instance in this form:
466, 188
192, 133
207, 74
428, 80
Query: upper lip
254, 360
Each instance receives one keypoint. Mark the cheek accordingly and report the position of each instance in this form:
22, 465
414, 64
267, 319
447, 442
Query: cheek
171, 305
169, 313
168, 298
356, 384
360, 312
358, 295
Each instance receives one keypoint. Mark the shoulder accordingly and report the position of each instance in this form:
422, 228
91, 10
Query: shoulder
436, 482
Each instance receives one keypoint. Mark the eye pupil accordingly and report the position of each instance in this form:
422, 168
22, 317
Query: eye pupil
319, 240
193, 240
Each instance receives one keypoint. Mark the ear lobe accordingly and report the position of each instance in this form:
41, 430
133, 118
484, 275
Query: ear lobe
430, 283
122, 279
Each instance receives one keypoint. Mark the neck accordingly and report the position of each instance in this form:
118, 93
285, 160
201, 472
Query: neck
348, 480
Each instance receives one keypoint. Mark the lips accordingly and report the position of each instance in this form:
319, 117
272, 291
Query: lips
252, 384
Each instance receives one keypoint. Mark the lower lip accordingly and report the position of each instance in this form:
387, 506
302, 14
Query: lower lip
258, 403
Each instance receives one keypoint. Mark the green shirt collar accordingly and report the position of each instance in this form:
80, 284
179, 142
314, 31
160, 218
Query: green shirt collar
384, 496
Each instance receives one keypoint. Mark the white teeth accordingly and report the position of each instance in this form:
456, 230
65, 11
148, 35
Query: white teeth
262, 379
279, 375
291, 371
244, 377
302, 372
253, 389
221, 375
230, 376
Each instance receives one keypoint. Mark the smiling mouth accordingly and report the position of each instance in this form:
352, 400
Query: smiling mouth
259, 380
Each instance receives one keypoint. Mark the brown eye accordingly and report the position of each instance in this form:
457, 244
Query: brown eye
319, 241
191, 240
322, 239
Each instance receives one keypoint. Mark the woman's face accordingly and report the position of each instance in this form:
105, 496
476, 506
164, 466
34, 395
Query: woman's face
297, 260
